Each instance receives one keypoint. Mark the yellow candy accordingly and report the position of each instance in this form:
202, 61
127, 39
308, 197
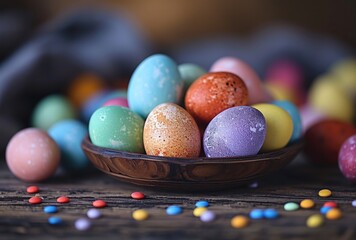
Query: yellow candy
345, 74
307, 203
324, 193
328, 97
280, 92
199, 211
315, 220
239, 221
279, 126
333, 214
140, 215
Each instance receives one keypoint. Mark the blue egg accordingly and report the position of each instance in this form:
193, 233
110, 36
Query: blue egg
156, 80
68, 135
97, 101
295, 115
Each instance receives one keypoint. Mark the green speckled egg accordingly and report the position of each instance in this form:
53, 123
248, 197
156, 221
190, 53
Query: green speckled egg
117, 128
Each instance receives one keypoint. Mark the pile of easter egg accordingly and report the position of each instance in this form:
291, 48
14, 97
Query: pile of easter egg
59, 124
185, 111
328, 110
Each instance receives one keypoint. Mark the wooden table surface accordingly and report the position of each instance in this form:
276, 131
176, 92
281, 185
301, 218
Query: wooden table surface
299, 180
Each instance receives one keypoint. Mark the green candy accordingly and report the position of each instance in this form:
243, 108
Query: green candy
117, 128
291, 206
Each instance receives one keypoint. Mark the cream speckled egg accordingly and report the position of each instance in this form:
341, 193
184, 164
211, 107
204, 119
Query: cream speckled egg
171, 131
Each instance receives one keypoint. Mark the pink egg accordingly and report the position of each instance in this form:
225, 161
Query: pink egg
32, 155
309, 116
119, 101
256, 91
347, 158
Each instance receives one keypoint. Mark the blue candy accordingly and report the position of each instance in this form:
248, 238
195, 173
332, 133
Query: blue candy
55, 220
256, 214
270, 213
174, 210
202, 203
50, 209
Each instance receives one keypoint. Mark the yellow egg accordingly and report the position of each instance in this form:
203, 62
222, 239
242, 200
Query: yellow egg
328, 97
345, 74
279, 92
171, 131
279, 126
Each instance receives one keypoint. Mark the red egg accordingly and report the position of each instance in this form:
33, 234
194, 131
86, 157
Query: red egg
324, 140
214, 92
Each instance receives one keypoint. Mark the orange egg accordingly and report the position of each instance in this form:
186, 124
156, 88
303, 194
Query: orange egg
214, 92
172, 132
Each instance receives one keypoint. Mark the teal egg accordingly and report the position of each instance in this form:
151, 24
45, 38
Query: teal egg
189, 73
50, 110
69, 134
117, 128
296, 118
156, 80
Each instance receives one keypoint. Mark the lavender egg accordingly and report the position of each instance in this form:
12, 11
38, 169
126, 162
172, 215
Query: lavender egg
235, 132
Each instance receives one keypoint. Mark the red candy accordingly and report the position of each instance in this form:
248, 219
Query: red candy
35, 200
330, 204
63, 199
137, 195
99, 203
32, 189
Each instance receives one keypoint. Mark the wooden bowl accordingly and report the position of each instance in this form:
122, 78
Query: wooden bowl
187, 174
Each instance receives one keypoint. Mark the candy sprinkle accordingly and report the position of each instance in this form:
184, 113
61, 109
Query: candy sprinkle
197, 212
256, 213
63, 199
333, 214
291, 206
137, 195
307, 203
174, 210
239, 221
140, 215
270, 213
32, 189
50, 209
207, 216
55, 220
324, 193
330, 204
93, 213
82, 224
202, 203
35, 200
315, 220
99, 203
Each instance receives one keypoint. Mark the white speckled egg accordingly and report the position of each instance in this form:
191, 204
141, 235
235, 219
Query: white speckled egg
172, 132
156, 80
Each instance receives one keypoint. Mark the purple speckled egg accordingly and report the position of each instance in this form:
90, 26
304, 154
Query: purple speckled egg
347, 158
237, 131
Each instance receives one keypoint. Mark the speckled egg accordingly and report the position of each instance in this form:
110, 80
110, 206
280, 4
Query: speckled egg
279, 126
69, 134
212, 93
295, 115
171, 131
237, 131
50, 110
347, 158
117, 128
257, 92
323, 140
32, 155
156, 80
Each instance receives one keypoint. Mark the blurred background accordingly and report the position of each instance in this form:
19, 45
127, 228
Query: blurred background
46, 44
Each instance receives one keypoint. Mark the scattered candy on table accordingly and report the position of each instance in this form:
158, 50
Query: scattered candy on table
256, 213
239, 221
82, 224
32, 189
174, 210
334, 214
291, 206
55, 220
35, 200
270, 213
140, 215
94, 213
50, 209
197, 212
99, 203
207, 216
315, 220
202, 203
324, 193
138, 195
63, 199
307, 203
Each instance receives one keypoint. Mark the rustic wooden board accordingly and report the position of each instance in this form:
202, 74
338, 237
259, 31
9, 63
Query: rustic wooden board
300, 180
